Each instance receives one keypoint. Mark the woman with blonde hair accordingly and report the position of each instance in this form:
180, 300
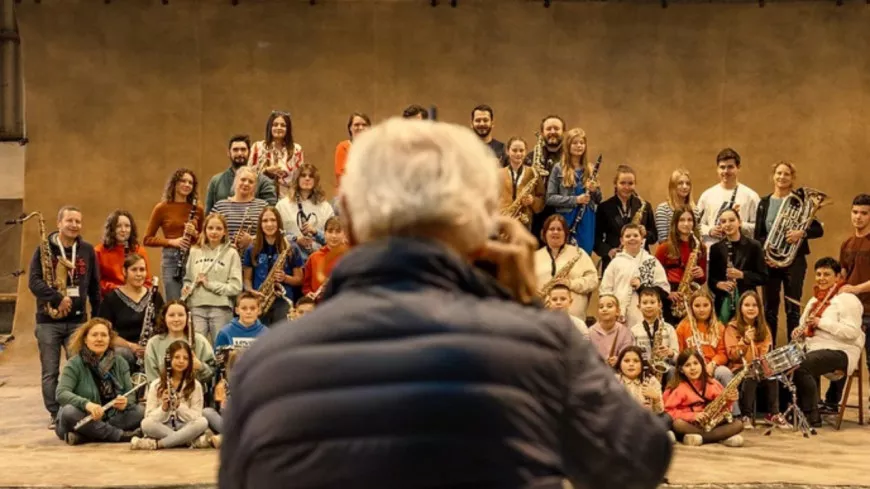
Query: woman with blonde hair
241, 209
305, 210
679, 195
92, 378
573, 192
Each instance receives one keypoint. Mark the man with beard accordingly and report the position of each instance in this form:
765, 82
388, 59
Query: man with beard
551, 129
221, 185
482, 121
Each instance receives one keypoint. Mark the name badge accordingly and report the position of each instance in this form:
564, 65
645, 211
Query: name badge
72, 291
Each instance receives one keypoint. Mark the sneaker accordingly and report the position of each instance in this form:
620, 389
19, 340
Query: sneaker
734, 442
826, 409
127, 436
202, 441
52, 423
216, 441
693, 440
672, 436
777, 421
747, 423
143, 443
72, 438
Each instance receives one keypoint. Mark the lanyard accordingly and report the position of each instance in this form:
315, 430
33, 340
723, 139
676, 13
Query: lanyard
515, 180
72, 271
652, 333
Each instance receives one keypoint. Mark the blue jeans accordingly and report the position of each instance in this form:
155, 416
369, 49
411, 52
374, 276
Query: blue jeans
171, 286
105, 430
50, 338
208, 320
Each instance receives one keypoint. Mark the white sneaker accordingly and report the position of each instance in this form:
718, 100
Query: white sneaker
734, 442
202, 441
216, 441
747, 423
143, 443
693, 440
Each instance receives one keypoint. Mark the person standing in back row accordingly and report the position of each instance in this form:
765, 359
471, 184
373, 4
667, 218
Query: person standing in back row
221, 187
719, 197
482, 121
59, 312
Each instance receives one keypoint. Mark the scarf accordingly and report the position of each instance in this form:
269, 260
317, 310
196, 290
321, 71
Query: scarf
101, 369
823, 301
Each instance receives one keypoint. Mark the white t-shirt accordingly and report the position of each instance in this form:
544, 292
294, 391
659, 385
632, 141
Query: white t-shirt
712, 201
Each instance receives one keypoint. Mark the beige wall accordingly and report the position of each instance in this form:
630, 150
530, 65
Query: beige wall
119, 95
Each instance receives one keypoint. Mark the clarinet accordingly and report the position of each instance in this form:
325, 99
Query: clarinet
181, 263
173, 395
593, 180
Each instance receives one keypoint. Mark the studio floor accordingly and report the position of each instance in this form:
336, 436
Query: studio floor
33, 456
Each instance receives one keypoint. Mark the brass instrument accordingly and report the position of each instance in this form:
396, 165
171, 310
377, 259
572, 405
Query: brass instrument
638, 216
185, 249
687, 284
55, 276
242, 227
657, 361
148, 323
796, 213
517, 210
718, 410
560, 276
270, 287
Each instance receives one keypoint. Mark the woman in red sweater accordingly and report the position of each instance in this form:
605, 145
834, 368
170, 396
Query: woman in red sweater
120, 239
688, 394
674, 254
180, 219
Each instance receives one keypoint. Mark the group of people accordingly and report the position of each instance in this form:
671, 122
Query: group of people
676, 282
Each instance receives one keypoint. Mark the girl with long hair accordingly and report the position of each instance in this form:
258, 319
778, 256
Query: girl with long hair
514, 177
573, 192
179, 217
682, 240
736, 265
277, 156
679, 197
259, 259
120, 239
305, 210
174, 323
688, 394
619, 210
173, 411
748, 338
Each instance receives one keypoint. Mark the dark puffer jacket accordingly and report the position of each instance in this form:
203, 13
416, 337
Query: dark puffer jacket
418, 371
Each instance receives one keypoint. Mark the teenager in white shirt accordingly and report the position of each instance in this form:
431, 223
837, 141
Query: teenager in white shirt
716, 198
631, 269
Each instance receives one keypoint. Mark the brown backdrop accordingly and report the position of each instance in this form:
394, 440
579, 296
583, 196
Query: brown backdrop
119, 95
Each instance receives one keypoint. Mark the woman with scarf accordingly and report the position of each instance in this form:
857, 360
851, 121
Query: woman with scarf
91, 379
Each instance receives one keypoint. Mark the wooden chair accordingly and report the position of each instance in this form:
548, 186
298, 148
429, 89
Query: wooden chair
844, 403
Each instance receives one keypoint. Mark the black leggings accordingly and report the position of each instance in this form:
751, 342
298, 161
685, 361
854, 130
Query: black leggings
749, 389
717, 434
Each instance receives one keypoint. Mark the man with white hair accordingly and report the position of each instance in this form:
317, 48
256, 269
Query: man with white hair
421, 370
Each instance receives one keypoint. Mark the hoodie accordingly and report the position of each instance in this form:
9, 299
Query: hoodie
617, 281
224, 278
86, 277
229, 333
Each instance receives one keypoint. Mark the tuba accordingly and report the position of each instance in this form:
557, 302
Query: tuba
796, 213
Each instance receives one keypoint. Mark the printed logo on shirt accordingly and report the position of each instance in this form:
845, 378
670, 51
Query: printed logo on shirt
243, 342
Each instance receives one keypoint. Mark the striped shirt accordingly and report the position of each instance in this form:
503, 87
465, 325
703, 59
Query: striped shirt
664, 214
234, 213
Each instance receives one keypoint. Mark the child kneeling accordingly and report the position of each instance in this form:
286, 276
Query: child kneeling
691, 390
173, 410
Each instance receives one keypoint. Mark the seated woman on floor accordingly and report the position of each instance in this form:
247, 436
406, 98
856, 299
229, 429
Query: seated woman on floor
173, 412
91, 379
174, 323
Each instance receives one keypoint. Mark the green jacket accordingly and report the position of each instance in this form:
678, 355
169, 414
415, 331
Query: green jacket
221, 186
77, 386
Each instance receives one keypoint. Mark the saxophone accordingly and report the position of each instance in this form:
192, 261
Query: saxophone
560, 275
55, 276
687, 283
638, 216
657, 361
718, 410
147, 331
517, 210
270, 288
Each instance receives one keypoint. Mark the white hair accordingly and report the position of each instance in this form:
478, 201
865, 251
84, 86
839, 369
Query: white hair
240, 171
407, 176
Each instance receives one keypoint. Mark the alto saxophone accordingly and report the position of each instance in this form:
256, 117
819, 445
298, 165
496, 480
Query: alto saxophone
658, 361
55, 276
559, 276
718, 410
270, 288
517, 210
687, 283
638, 216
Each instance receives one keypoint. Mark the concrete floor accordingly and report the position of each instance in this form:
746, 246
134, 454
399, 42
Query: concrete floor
31, 455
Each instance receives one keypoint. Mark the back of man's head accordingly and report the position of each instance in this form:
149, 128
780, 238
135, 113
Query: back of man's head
422, 179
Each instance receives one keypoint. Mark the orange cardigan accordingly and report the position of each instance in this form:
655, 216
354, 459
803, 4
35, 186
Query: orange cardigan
319, 266
714, 351
341, 160
111, 265
734, 345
